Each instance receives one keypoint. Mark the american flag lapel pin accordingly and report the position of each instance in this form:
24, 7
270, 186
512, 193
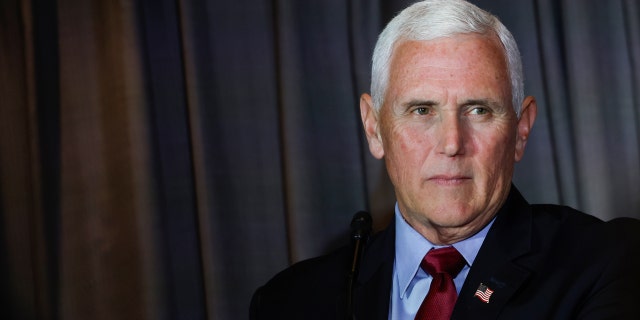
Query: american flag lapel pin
483, 293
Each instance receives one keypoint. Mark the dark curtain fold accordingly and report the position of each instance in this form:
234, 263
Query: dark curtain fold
161, 159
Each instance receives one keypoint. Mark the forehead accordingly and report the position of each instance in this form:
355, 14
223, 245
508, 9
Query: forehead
465, 61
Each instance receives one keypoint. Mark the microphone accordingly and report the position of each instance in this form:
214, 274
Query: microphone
360, 230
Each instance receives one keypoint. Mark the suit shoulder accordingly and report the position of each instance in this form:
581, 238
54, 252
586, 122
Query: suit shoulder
567, 217
310, 284
329, 270
626, 227
315, 271
551, 213
314, 284
565, 227
626, 232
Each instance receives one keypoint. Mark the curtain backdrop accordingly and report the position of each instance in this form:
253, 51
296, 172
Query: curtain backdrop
160, 159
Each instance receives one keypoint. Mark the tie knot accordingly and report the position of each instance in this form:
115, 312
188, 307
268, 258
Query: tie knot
444, 260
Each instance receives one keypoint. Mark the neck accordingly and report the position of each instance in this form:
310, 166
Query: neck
448, 235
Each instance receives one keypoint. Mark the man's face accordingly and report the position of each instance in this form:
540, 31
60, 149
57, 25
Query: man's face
448, 133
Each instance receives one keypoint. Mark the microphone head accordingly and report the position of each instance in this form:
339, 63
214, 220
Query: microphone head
360, 225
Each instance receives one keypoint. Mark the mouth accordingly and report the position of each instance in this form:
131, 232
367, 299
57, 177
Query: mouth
449, 180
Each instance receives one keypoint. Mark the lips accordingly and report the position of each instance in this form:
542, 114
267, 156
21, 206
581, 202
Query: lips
446, 179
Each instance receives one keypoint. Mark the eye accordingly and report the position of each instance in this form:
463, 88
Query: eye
421, 111
479, 111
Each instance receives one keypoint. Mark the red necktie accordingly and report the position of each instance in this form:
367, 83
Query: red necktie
443, 265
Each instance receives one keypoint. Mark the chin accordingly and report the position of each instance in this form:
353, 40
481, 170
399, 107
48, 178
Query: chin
452, 217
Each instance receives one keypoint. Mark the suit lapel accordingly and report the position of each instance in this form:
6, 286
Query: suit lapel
373, 289
496, 265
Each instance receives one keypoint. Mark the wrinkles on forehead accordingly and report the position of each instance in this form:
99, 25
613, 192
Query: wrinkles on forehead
449, 64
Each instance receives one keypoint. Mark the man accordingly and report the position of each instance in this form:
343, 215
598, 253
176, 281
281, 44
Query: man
449, 117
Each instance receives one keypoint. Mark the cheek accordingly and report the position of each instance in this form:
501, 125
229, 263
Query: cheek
410, 143
405, 152
496, 154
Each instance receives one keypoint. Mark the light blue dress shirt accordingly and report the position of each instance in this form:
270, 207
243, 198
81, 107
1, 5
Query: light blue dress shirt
410, 282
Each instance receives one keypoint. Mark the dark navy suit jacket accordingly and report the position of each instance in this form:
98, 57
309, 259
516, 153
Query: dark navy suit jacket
541, 261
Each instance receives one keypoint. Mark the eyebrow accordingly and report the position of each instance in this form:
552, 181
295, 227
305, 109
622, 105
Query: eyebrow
419, 102
469, 102
482, 102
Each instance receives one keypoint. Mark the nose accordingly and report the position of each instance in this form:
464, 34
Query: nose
451, 136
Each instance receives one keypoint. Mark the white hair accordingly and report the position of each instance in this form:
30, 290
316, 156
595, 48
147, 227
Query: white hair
432, 19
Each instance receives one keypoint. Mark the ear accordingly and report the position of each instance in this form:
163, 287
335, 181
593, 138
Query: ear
528, 112
369, 117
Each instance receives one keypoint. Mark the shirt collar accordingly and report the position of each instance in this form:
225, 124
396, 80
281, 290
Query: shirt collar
411, 247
